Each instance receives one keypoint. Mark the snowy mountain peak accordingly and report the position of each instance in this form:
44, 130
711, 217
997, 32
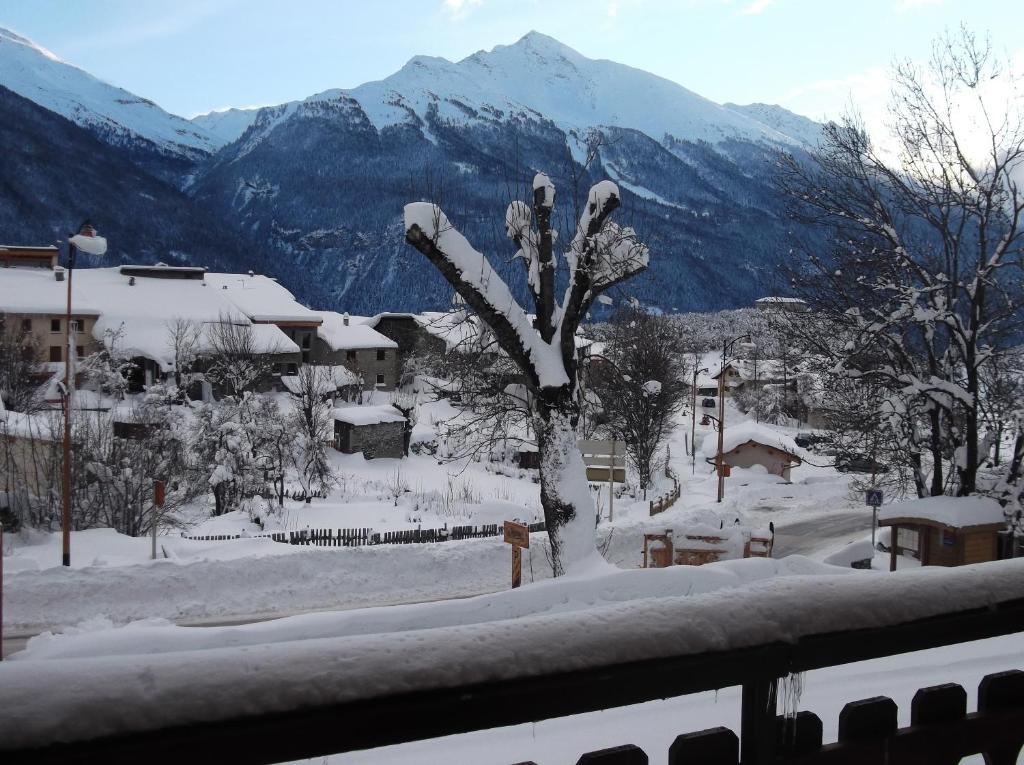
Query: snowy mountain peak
113, 114
7, 36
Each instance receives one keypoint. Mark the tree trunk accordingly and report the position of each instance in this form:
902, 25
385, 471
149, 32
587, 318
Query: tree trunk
935, 436
564, 492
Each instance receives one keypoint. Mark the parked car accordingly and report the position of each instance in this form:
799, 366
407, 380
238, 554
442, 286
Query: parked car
858, 463
808, 440
708, 403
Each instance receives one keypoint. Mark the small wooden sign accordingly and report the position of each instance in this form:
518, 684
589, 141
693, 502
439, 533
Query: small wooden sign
159, 493
517, 534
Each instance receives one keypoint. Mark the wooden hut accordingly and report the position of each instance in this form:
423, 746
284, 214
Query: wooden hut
748, 444
944, 531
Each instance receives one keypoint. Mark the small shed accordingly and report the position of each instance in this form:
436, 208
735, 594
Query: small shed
748, 444
376, 431
945, 531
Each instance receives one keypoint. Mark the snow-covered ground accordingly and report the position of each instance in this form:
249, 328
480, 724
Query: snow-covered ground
113, 577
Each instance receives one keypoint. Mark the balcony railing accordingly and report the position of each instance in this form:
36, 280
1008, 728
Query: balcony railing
867, 616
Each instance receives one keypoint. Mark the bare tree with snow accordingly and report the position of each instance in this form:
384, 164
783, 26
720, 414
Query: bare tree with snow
600, 255
924, 272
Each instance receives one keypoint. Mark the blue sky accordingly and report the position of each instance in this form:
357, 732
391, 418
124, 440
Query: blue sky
191, 56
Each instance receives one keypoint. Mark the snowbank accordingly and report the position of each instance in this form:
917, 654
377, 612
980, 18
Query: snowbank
568, 595
949, 511
76, 699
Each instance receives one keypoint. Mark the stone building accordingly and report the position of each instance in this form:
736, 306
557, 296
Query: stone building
343, 340
376, 431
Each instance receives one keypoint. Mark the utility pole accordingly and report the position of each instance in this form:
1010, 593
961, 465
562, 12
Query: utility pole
89, 242
693, 420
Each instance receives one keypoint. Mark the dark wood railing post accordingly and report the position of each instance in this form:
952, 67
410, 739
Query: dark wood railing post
757, 722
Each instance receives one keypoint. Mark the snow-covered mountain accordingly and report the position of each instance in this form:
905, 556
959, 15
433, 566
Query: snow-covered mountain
539, 77
111, 113
312, 191
805, 130
226, 124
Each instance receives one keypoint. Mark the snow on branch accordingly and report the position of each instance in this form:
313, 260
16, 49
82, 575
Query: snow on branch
471, 275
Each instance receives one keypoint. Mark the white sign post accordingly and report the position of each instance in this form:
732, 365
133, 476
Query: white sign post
601, 456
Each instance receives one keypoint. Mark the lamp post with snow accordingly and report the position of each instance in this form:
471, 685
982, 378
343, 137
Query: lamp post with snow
89, 242
693, 418
719, 463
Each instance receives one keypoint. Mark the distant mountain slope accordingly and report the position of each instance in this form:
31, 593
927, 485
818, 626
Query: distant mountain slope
312, 191
805, 130
111, 113
227, 124
54, 174
322, 181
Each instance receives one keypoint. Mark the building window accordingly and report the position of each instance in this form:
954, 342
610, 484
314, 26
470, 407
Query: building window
381, 354
79, 351
380, 379
305, 340
76, 325
55, 354
26, 325
293, 369
350, 355
55, 325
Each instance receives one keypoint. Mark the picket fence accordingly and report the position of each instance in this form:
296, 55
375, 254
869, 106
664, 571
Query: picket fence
367, 536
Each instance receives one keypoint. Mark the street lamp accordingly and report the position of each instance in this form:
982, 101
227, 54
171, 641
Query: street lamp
693, 418
90, 243
719, 464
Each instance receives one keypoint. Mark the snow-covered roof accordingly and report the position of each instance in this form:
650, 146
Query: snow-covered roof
368, 415
270, 339
37, 291
777, 299
743, 432
143, 309
328, 379
41, 427
959, 512
352, 336
262, 298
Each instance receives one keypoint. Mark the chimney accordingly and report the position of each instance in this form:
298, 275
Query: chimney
344, 319
58, 273
131, 281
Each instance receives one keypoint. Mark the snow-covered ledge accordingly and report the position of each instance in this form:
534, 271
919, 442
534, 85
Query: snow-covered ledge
78, 699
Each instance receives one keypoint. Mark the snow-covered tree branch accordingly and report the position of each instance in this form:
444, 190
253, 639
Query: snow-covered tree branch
600, 255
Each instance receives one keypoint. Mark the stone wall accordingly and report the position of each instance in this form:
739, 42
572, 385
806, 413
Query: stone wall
365, 362
385, 439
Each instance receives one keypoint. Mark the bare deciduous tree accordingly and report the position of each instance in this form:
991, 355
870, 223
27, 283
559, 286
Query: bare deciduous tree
923, 273
600, 255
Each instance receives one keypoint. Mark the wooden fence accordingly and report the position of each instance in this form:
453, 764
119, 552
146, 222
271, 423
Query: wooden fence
367, 536
665, 501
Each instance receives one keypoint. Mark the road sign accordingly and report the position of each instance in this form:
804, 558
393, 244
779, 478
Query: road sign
873, 497
517, 535
605, 461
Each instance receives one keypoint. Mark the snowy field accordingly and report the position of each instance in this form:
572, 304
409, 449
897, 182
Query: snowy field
113, 578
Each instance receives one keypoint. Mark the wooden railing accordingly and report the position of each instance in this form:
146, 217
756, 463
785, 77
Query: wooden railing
665, 501
941, 730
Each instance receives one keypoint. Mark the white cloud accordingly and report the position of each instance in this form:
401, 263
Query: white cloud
756, 7
458, 9
902, 6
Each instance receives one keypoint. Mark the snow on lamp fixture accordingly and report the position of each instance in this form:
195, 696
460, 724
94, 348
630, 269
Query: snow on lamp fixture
91, 243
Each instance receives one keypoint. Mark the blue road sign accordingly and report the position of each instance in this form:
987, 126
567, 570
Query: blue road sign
873, 497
